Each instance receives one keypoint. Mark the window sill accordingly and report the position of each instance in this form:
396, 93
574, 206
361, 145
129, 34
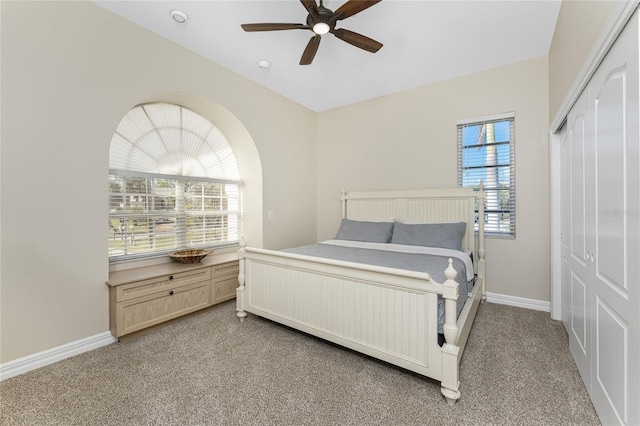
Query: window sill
123, 265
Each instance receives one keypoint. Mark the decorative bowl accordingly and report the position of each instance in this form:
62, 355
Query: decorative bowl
190, 255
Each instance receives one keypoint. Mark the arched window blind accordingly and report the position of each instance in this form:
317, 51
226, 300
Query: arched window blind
173, 183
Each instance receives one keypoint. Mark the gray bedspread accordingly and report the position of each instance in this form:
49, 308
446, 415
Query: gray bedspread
435, 265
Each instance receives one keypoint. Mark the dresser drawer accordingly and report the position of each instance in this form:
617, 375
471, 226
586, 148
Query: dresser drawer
228, 269
141, 312
161, 284
224, 289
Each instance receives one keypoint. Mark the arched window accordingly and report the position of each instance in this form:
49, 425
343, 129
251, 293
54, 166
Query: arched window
173, 183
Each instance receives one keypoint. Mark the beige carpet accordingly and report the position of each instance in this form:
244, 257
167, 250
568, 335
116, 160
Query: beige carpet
210, 369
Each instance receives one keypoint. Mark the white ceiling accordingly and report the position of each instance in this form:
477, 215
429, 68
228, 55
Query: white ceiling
424, 42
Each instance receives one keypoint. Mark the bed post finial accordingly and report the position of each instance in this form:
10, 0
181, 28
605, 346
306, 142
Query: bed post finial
482, 269
450, 295
241, 277
343, 199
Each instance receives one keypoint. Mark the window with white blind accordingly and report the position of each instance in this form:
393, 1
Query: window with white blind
173, 183
486, 153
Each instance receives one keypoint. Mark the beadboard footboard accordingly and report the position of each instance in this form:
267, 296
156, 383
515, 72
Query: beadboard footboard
386, 313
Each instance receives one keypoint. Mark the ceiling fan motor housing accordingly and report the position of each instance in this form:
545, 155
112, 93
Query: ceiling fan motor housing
321, 15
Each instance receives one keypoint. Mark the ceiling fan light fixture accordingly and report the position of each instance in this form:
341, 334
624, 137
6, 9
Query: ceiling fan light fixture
321, 28
179, 16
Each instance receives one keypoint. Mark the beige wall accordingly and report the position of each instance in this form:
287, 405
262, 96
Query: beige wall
579, 25
70, 72
408, 140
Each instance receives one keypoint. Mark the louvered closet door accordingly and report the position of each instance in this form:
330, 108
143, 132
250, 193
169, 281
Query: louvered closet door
575, 265
613, 163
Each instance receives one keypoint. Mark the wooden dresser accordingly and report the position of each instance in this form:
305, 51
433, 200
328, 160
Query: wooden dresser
146, 296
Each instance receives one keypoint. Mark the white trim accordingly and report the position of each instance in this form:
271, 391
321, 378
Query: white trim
520, 302
555, 231
41, 359
494, 117
50, 356
610, 32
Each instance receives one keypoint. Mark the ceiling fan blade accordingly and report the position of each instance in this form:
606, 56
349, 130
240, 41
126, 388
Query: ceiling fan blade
358, 40
309, 4
273, 27
310, 51
352, 7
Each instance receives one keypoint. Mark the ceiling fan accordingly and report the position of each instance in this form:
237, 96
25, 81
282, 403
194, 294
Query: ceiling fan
321, 21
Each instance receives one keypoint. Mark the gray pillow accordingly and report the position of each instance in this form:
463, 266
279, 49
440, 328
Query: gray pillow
372, 232
443, 235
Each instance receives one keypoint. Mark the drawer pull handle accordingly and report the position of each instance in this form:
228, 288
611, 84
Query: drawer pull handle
170, 277
170, 292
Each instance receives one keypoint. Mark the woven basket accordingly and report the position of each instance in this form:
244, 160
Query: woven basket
190, 255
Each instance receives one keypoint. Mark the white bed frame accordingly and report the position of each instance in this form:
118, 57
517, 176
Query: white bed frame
387, 313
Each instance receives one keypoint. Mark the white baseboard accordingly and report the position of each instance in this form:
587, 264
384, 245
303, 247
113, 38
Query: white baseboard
40, 359
520, 302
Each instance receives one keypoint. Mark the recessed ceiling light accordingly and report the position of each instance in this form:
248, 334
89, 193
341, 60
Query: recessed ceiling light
264, 64
179, 16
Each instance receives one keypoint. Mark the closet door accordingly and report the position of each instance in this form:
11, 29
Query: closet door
575, 264
613, 163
